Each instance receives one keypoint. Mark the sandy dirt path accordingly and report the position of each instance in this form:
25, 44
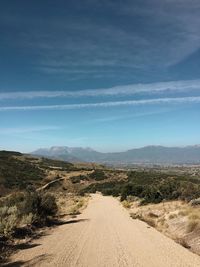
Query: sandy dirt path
105, 235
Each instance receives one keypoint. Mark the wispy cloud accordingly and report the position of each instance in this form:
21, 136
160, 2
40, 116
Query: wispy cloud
177, 100
166, 33
173, 86
130, 116
19, 130
180, 26
179, 19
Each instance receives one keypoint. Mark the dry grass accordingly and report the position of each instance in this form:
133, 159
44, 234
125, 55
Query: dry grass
161, 221
153, 215
193, 225
176, 219
194, 216
78, 205
126, 204
183, 213
182, 242
150, 221
135, 216
172, 216
70, 204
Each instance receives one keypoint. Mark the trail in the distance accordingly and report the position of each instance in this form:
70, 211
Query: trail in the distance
105, 235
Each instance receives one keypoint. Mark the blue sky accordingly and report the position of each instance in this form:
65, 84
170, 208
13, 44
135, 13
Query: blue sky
111, 75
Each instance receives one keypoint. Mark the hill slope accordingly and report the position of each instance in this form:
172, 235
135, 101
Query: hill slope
17, 170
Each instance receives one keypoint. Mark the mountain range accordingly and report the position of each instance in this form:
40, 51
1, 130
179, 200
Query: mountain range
144, 155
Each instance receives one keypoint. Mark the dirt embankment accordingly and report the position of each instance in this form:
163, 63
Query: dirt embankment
177, 219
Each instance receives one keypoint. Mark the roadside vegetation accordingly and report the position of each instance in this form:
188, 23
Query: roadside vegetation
168, 202
35, 193
150, 187
25, 208
176, 219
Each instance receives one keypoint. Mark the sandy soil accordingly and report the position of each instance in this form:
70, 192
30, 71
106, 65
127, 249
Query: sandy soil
105, 235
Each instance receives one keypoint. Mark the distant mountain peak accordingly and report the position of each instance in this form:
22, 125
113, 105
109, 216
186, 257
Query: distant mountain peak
149, 154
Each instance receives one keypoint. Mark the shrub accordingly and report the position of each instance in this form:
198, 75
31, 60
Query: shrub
78, 204
98, 175
189, 191
8, 219
27, 219
126, 204
47, 205
150, 186
25, 208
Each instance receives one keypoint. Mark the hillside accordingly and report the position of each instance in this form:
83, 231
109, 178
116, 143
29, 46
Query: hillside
145, 155
17, 170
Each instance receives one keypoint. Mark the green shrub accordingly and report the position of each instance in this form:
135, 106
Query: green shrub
98, 175
126, 204
150, 186
16, 173
8, 219
47, 205
25, 208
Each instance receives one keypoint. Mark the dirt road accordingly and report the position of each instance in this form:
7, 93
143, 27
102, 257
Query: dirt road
105, 235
